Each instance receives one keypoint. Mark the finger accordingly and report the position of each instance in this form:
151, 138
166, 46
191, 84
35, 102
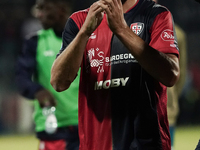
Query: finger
94, 6
109, 3
99, 10
116, 2
105, 7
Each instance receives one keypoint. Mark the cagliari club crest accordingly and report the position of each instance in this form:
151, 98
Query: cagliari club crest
137, 28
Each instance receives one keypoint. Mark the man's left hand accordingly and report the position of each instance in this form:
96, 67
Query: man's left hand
115, 15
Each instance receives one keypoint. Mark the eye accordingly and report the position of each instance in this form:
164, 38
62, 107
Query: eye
39, 7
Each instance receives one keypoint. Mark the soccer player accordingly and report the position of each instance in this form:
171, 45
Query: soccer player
35, 63
128, 54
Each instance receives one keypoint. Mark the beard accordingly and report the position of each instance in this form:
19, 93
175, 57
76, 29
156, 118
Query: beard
123, 1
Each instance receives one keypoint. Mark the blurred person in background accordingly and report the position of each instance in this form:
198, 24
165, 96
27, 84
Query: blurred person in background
33, 78
198, 145
174, 92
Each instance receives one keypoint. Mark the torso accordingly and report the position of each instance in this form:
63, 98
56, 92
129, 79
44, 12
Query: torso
119, 102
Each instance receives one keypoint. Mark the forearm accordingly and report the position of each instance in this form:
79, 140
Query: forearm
162, 67
67, 64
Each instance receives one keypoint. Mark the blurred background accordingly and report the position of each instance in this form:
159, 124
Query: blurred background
16, 21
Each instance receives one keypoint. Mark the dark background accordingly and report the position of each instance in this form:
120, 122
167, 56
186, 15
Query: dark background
15, 14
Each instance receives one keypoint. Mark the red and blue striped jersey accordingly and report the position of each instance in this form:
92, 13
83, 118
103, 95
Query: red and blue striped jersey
121, 106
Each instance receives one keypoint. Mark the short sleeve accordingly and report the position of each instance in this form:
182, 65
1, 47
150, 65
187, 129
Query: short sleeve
69, 33
163, 36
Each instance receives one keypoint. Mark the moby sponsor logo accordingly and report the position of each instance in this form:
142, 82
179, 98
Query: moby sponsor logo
111, 83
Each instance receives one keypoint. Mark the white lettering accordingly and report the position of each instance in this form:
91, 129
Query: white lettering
120, 57
131, 56
125, 56
113, 58
49, 53
124, 81
111, 83
115, 83
107, 59
100, 54
117, 57
167, 35
98, 86
106, 84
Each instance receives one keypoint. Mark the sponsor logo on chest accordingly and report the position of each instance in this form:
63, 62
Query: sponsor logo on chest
111, 83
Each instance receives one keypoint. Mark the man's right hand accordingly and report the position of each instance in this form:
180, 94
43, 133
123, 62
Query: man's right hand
93, 19
45, 98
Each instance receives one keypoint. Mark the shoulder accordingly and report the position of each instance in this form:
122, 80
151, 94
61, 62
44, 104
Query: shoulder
31, 36
157, 9
79, 17
158, 14
35, 35
79, 14
30, 41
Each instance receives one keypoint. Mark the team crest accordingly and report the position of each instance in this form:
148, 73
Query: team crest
137, 28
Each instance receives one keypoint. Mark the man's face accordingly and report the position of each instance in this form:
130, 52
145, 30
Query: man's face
47, 13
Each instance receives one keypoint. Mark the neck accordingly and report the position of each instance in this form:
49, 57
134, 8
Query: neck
128, 4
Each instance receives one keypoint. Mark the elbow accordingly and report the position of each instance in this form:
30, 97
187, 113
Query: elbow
172, 82
172, 79
60, 86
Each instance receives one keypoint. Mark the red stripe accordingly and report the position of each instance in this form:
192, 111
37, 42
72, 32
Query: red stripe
161, 92
162, 23
79, 17
94, 105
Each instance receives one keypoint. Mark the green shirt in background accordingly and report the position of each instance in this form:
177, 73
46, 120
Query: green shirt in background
67, 102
